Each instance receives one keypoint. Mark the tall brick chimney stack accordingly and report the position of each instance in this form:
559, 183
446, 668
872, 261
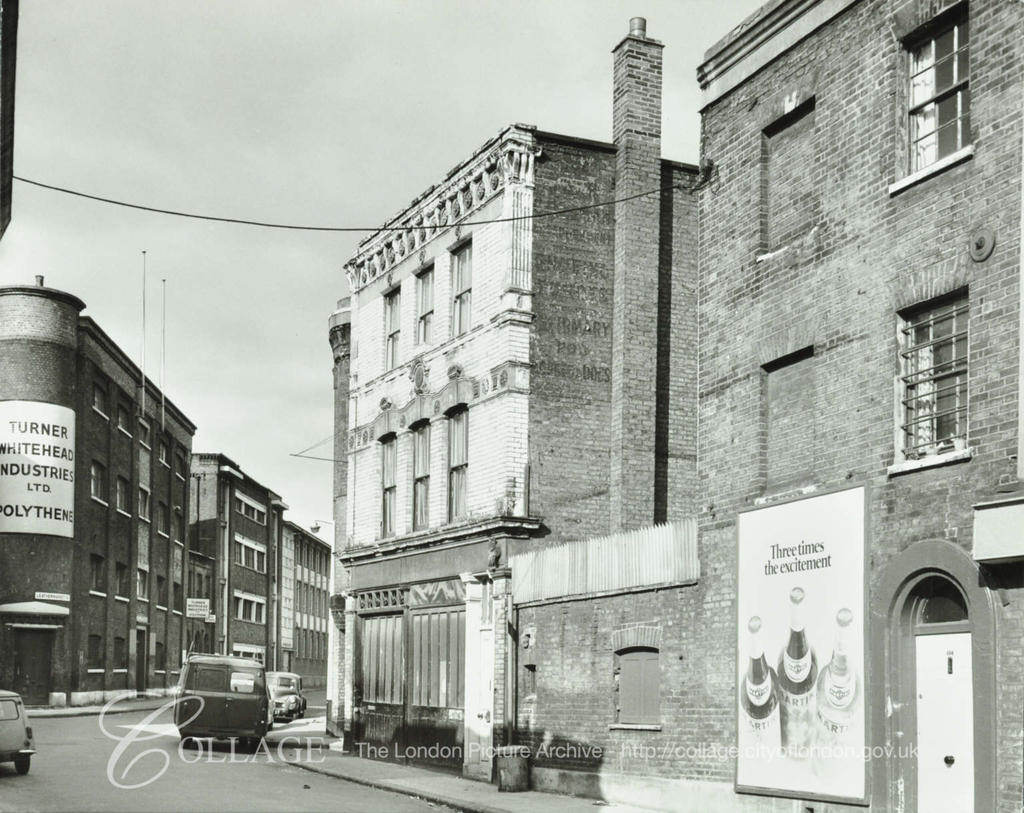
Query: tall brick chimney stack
636, 128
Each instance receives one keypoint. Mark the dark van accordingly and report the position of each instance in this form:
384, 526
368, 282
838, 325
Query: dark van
222, 697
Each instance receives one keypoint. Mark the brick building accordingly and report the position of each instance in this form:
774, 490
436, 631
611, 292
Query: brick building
498, 385
93, 495
851, 636
237, 525
304, 600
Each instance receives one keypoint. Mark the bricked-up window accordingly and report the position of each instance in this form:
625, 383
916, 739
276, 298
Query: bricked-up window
462, 289
123, 500
789, 181
639, 678
388, 466
933, 360
97, 573
791, 415
424, 305
124, 421
143, 503
121, 579
94, 652
392, 327
458, 463
120, 653
98, 481
939, 94
420, 476
142, 584
99, 399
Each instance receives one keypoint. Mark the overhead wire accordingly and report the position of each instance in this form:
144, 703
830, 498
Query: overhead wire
300, 227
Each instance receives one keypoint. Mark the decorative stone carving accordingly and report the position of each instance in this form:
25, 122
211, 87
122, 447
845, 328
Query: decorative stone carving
385, 404
455, 371
418, 375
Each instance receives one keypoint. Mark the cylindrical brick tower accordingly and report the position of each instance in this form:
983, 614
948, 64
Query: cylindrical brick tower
38, 352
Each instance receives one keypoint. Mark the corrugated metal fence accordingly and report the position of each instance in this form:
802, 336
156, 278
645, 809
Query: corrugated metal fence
646, 557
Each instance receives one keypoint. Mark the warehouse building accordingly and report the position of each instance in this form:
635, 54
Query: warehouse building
93, 497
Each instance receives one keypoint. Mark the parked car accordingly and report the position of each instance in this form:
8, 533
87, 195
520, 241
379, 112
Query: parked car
16, 742
235, 699
286, 692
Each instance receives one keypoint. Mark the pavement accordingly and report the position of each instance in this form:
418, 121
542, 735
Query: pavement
117, 707
450, 790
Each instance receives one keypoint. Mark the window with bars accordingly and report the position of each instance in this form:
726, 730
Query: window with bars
420, 476
462, 289
939, 95
458, 463
933, 360
424, 305
388, 464
392, 328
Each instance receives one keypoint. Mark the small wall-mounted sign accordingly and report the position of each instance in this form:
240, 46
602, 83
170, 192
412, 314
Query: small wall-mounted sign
211, 618
42, 596
197, 607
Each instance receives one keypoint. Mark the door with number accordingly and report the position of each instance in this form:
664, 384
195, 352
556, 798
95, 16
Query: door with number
945, 723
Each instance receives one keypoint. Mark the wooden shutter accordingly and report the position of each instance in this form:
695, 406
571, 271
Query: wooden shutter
639, 687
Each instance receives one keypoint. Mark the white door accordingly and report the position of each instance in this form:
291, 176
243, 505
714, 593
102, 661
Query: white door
483, 725
945, 723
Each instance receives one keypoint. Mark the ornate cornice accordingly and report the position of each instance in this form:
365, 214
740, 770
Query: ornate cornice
503, 161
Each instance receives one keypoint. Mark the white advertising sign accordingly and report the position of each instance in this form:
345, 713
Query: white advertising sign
800, 637
37, 468
41, 596
197, 607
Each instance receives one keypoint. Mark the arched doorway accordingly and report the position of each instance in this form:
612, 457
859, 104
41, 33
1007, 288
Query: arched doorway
937, 709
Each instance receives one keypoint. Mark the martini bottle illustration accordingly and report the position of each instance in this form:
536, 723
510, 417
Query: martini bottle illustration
797, 672
759, 692
838, 700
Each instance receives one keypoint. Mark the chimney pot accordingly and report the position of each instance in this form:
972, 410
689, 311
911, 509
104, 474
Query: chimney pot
638, 27
39, 280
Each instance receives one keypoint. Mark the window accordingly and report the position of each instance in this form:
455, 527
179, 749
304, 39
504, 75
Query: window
143, 503
142, 585
120, 653
165, 453
163, 518
177, 525
250, 608
933, 359
638, 686
94, 652
462, 285
250, 554
424, 305
180, 466
144, 433
123, 501
392, 327
97, 573
124, 420
161, 657
243, 682
421, 476
99, 399
98, 481
161, 591
939, 96
251, 509
458, 463
388, 460
179, 598
121, 580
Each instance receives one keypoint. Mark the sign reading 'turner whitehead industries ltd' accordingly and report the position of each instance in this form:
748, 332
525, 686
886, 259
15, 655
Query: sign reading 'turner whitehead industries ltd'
800, 664
37, 468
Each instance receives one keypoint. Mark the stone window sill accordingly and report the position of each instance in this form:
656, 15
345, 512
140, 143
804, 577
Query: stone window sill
97, 593
124, 513
99, 671
121, 598
124, 431
119, 671
633, 727
931, 461
914, 178
102, 502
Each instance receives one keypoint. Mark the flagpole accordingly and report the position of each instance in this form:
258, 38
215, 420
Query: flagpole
143, 399
163, 355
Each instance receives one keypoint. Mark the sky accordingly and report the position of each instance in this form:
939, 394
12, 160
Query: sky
312, 113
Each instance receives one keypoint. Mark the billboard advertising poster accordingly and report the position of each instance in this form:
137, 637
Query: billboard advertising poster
800, 700
37, 468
